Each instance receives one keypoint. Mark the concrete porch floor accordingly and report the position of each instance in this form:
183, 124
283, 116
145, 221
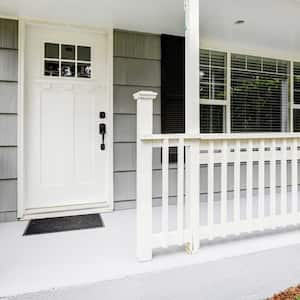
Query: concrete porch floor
101, 264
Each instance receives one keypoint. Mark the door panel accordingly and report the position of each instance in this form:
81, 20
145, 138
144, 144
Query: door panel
84, 138
56, 126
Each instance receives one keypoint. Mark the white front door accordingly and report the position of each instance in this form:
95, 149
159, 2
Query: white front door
67, 98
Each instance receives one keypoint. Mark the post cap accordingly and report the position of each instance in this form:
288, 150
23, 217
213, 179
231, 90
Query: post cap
145, 95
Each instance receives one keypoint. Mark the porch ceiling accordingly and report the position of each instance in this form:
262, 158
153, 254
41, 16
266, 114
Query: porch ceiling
269, 23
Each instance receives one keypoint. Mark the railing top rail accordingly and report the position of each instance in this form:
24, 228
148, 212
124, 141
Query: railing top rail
223, 136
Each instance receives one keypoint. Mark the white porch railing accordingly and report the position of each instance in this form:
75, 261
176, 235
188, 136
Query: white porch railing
247, 183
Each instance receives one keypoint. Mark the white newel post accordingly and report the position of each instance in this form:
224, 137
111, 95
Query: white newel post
144, 175
192, 118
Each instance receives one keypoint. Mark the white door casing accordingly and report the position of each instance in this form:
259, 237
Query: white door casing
64, 170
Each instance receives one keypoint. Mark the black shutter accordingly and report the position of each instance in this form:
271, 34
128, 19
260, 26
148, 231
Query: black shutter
172, 87
172, 84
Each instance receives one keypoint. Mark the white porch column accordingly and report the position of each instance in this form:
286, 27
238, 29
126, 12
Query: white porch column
192, 118
192, 85
144, 175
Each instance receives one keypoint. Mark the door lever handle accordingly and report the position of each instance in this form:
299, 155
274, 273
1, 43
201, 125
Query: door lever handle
102, 131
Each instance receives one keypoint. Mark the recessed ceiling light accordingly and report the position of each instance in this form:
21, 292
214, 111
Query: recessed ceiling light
239, 22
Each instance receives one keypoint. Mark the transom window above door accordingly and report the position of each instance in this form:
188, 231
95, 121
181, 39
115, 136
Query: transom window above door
67, 60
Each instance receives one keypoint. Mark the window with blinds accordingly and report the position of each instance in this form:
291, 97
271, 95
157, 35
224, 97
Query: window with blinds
257, 101
213, 69
259, 94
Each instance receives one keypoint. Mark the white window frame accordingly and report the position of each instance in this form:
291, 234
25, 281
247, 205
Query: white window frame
61, 60
227, 103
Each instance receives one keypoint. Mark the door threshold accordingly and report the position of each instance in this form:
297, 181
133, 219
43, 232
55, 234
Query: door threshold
30, 214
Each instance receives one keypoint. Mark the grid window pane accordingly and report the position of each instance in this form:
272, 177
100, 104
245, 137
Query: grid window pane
84, 70
83, 53
297, 82
204, 74
68, 52
204, 91
283, 67
297, 68
296, 120
269, 65
67, 69
218, 59
218, 92
204, 57
254, 63
211, 118
218, 75
238, 61
297, 97
51, 50
51, 68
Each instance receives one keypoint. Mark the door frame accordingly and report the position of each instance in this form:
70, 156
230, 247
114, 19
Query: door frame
21, 212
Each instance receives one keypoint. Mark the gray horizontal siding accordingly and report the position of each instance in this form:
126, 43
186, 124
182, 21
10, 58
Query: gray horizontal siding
125, 185
136, 45
8, 130
8, 195
8, 119
8, 216
8, 65
125, 127
8, 97
128, 150
136, 67
8, 34
123, 103
136, 72
8, 162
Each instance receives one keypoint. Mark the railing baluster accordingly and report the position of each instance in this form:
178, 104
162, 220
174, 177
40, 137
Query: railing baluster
273, 180
294, 149
210, 188
224, 183
261, 181
165, 192
249, 180
237, 189
193, 196
283, 178
180, 190
187, 189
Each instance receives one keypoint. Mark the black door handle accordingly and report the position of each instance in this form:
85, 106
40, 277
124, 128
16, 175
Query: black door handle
102, 131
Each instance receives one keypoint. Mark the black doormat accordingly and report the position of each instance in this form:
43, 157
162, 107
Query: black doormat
51, 225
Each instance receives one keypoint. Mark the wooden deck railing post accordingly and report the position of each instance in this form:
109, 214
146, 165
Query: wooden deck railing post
144, 175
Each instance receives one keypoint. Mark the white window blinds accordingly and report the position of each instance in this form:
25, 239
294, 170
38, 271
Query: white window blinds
259, 94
